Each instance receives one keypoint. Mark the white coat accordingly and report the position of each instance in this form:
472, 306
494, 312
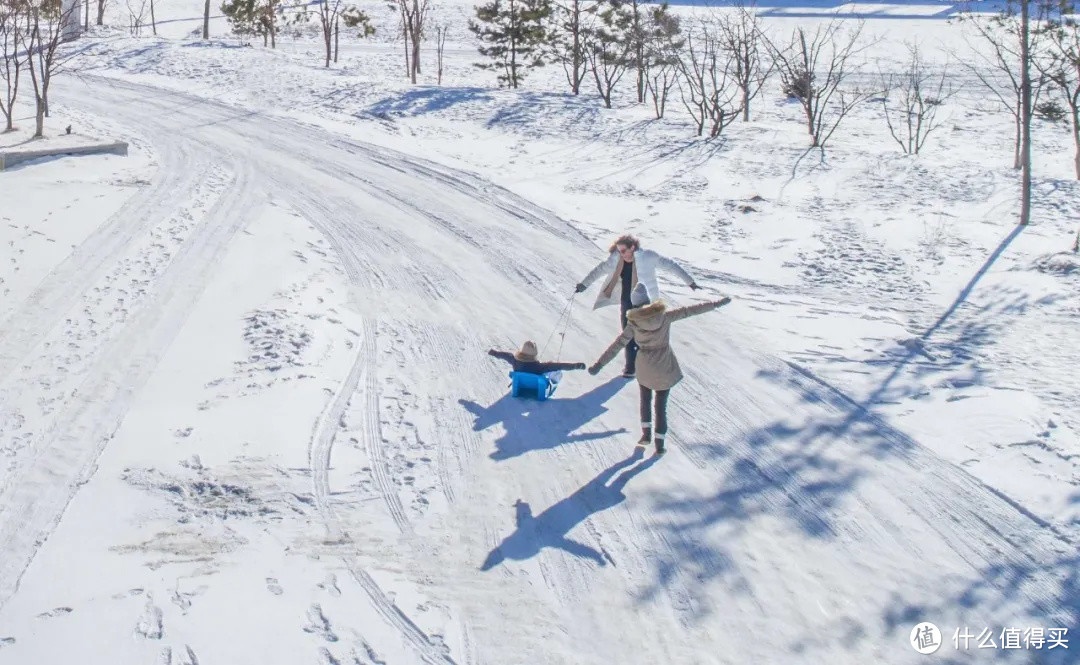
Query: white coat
646, 262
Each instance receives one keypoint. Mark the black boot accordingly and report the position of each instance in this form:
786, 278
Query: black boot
646, 434
659, 444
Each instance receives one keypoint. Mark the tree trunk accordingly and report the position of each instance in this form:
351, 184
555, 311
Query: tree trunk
408, 60
326, 40
86, 17
101, 12
273, 24
575, 83
746, 104
1025, 87
337, 39
415, 56
206, 21
153, 20
513, 52
40, 128
417, 28
1076, 138
1017, 141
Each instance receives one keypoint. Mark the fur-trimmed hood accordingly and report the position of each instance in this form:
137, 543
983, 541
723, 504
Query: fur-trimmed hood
649, 317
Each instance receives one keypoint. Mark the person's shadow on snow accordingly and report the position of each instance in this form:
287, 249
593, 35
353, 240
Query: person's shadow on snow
534, 425
550, 528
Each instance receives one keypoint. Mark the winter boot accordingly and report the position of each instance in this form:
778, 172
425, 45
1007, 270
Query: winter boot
659, 444
646, 435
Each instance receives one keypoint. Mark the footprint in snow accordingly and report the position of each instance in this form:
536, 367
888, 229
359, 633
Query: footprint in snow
150, 623
54, 613
273, 586
5, 641
319, 624
327, 658
330, 585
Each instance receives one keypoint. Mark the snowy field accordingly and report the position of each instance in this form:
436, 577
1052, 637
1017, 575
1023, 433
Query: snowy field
247, 415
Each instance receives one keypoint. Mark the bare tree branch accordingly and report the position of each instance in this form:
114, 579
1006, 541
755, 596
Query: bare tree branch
921, 95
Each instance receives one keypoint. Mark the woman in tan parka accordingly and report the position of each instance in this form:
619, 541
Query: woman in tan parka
649, 324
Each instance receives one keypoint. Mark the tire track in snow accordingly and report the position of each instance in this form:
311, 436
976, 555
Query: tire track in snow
373, 439
43, 485
178, 173
319, 459
359, 271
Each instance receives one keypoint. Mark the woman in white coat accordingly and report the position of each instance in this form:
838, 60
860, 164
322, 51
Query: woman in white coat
626, 266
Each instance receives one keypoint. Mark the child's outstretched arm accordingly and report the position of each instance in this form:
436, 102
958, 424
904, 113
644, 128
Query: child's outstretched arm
693, 310
502, 355
552, 367
616, 346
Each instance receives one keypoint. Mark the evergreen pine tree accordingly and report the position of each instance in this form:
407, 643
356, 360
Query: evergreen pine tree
514, 30
611, 46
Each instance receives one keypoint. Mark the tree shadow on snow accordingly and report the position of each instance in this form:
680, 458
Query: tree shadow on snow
802, 471
421, 101
551, 527
534, 425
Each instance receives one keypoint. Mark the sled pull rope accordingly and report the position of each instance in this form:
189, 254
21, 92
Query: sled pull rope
562, 335
564, 314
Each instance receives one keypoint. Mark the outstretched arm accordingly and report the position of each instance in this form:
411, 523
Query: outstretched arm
502, 355
600, 269
552, 367
680, 313
616, 346
674, 268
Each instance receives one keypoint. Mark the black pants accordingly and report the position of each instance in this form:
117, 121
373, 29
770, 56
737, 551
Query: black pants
657, 405
631, 348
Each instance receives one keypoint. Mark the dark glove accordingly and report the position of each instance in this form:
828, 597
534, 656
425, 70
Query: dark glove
579, 288
694, 286
579, 366
594, 370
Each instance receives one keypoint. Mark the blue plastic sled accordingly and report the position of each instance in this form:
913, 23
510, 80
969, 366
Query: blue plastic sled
542, 386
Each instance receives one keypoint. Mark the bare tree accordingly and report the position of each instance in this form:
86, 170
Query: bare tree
568, 43
206, 20
413, 15
1060, 65
440, 47
101, 12
13, 58
136, 16
740, 34
610, 49
814, 67
709, 91
328, 17
41, 39
921, 93
998, 65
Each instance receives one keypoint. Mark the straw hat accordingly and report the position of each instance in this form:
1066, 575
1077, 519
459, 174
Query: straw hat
527, 354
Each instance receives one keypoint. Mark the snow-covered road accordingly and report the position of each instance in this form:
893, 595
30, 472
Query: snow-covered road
786, 526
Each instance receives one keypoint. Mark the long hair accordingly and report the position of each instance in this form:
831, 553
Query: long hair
628, 240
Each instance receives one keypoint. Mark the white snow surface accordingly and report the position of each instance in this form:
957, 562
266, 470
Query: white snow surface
247, 415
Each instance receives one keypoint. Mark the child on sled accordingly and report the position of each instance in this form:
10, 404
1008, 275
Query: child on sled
525, 360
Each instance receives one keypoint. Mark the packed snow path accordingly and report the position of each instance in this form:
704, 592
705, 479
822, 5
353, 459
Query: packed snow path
787, 525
